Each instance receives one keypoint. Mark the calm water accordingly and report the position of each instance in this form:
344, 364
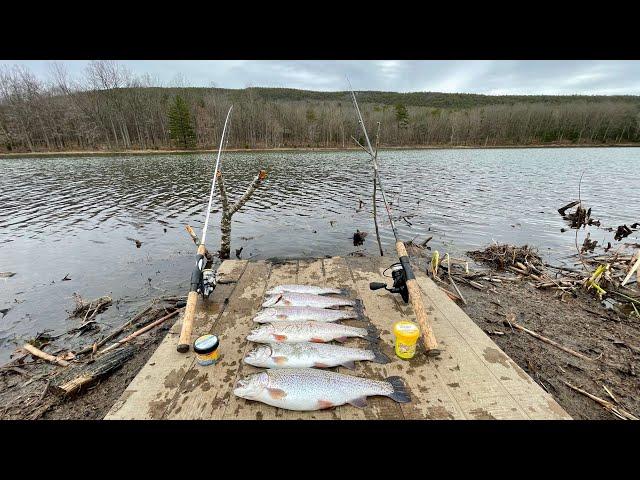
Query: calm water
73, 215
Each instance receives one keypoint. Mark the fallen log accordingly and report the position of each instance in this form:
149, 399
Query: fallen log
36, 352
97, 370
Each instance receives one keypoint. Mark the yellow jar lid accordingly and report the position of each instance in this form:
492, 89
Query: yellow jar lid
406, 330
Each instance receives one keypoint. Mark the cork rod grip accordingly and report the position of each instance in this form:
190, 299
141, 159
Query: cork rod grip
184, 342
415, 298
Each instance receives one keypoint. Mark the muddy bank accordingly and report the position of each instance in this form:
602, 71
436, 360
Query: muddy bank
581, 324
48, 379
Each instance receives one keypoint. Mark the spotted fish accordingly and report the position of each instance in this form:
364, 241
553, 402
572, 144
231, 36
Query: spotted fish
306, 389
308, 289
290, 299
297, 314
309, 331
309, 354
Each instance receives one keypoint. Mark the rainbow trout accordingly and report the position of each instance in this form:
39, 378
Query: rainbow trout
309, 354
308, 289
309, 331
297, 314
289, 299
306, 389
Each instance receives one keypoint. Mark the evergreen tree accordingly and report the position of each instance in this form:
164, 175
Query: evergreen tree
402, 116
180, 127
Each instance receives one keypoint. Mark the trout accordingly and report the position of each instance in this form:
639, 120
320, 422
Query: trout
309, 331
289, 299
309, 354
306, 389
297, 314
308, 289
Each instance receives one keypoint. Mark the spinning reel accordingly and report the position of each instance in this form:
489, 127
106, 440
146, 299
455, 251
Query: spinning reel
203, 280
399, 277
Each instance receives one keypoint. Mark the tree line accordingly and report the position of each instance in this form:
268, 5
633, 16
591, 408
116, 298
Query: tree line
109, 108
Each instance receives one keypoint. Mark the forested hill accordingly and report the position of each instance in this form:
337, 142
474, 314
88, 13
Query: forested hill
112, 110
427, 99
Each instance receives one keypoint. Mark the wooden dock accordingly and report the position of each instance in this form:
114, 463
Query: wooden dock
472, 378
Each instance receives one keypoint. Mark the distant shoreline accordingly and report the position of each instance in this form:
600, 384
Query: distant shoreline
105, 153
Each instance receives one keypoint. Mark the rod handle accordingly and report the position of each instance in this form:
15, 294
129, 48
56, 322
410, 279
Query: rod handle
187, 323
415, 298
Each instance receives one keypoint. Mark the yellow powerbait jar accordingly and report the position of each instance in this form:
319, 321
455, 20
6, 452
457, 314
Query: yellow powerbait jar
206, 348
407, 334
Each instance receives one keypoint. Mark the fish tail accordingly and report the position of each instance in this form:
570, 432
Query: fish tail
400, 393
373, 335
378, 356
358, 308
343, 291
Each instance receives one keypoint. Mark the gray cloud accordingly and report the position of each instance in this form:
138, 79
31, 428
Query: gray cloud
528, 77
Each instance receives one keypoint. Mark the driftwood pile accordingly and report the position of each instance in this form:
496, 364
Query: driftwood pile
68, 371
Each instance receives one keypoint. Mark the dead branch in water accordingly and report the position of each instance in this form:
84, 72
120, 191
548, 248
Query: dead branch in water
228, 210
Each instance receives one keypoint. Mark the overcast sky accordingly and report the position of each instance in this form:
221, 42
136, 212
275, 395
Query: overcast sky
528, 77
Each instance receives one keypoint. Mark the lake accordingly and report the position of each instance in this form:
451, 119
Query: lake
76, 215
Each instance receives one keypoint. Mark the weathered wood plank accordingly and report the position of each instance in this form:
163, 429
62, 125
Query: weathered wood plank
240, 408
429, 396
491, 365
154, 388
205, 390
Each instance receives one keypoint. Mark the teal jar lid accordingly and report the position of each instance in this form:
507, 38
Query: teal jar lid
206, 344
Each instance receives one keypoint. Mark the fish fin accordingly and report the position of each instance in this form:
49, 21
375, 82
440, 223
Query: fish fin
378, 356
324, 404
341, 339
359, 402
279, 338
343, 291
351, 365
358, 308
400, 393
279, 360
317, 340
372, 334
276, 393
320, 365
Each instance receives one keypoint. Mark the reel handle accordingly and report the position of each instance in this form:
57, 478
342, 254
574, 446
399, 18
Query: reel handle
377, 285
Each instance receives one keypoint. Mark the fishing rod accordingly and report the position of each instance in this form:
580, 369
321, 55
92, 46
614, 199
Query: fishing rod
404, 280
203, 280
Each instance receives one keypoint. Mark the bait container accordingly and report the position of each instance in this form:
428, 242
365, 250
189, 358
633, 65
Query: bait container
407, 334
206, 348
